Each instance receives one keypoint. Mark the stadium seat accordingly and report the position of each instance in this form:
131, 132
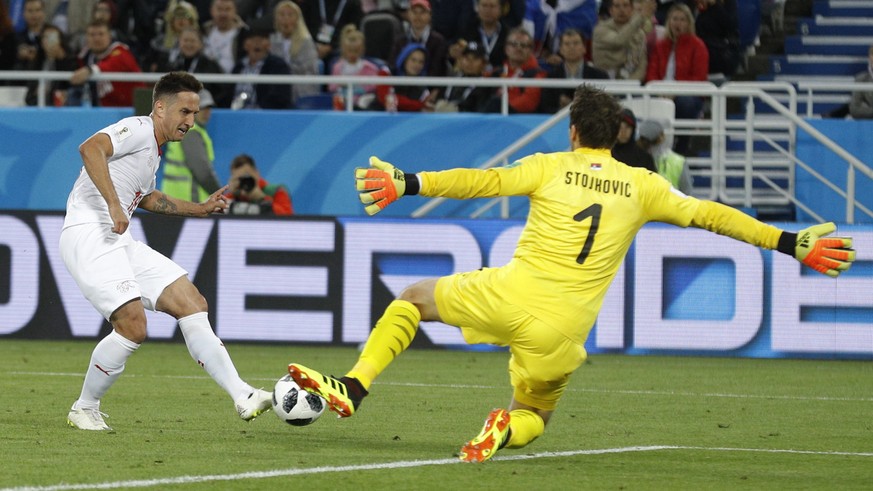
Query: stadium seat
12, 96
314, 101
380, 30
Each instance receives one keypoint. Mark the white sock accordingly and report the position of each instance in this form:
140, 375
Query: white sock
209, 352
107, 363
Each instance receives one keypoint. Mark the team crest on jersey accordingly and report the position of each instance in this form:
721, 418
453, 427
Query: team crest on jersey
122, 132
595, 166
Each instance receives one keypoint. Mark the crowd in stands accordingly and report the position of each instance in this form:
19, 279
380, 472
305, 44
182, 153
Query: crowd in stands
560, 39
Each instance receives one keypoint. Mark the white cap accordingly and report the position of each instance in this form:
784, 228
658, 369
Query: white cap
206, 99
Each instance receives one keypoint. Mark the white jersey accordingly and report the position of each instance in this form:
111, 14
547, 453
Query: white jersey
132, 167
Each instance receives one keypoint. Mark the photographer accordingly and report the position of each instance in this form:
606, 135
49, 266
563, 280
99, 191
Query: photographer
250, 194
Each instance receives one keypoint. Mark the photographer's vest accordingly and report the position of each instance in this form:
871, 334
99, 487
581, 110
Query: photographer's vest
178, 181
670, 166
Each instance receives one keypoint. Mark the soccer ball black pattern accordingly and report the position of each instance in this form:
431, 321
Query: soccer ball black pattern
294, 405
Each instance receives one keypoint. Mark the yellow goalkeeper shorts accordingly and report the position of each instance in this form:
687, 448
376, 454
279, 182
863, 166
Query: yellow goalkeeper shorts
542, 358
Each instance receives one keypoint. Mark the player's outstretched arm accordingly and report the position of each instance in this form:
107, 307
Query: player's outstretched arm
158, 202
827, 255
382, 184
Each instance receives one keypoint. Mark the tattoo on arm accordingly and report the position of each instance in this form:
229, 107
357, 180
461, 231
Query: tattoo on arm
164, 206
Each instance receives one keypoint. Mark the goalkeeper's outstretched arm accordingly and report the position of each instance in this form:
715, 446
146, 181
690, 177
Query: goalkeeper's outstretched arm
827, 255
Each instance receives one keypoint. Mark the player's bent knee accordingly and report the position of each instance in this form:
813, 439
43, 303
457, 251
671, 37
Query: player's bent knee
525, 426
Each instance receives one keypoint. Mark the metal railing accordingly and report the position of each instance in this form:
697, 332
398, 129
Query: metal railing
720, 168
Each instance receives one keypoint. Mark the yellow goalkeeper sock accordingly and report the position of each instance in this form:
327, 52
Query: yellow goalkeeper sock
392, 334
524, 427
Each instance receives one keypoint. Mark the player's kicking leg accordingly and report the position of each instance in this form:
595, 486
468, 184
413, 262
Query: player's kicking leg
343, 395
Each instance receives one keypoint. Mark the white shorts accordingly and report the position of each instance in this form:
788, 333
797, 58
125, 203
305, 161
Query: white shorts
113, 269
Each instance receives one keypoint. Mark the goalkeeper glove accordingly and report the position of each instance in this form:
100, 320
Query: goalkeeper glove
382, 184
829, 256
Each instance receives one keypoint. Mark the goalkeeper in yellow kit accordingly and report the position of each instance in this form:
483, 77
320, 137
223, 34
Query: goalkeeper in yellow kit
585, 209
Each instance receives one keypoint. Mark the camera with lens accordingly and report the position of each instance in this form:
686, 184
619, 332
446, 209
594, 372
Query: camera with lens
246, 183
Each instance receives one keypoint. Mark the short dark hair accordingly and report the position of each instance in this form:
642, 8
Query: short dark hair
596, 116
174, 83
241, 160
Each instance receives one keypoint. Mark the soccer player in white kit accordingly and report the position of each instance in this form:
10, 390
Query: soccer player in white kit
122, 277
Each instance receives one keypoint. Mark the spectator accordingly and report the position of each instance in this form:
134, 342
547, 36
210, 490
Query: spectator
417, 30
28, 39
861, 105
572, 67
669, 164
471, 98
626, 149
102, 54
292, 42
192, 59
8, 53
189, 173
618, 46
681, 56
719, 29
54, 55
488, 30
520, 63
179, 16
325, 18
224, 33
107, 11
548, 19
259, 61
352, 62
450, 17
251, 194
136, 18
411, 62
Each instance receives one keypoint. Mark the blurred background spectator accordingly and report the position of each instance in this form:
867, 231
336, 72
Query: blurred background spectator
619, 44
292, 42
102, 54
325, 20
626, 149
223, 34
8, 50
259, 61
470, 98
54, 55
547, 19
411, 62
180, 15
489, 30
520, 63
571, 67
670, 165
352, 62
718, 27
417, 30
681, 56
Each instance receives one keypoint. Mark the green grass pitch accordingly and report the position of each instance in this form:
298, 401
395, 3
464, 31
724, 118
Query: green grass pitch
625, 423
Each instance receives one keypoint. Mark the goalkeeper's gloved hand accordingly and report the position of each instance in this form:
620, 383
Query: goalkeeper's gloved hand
829, 256
382, 184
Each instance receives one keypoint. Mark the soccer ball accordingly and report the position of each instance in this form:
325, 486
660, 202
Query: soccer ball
294, 405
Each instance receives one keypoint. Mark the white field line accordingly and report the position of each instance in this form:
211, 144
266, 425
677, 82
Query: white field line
471, 386
147, 483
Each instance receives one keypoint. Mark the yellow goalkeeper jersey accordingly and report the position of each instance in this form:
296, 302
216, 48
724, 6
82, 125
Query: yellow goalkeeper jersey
585, 209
